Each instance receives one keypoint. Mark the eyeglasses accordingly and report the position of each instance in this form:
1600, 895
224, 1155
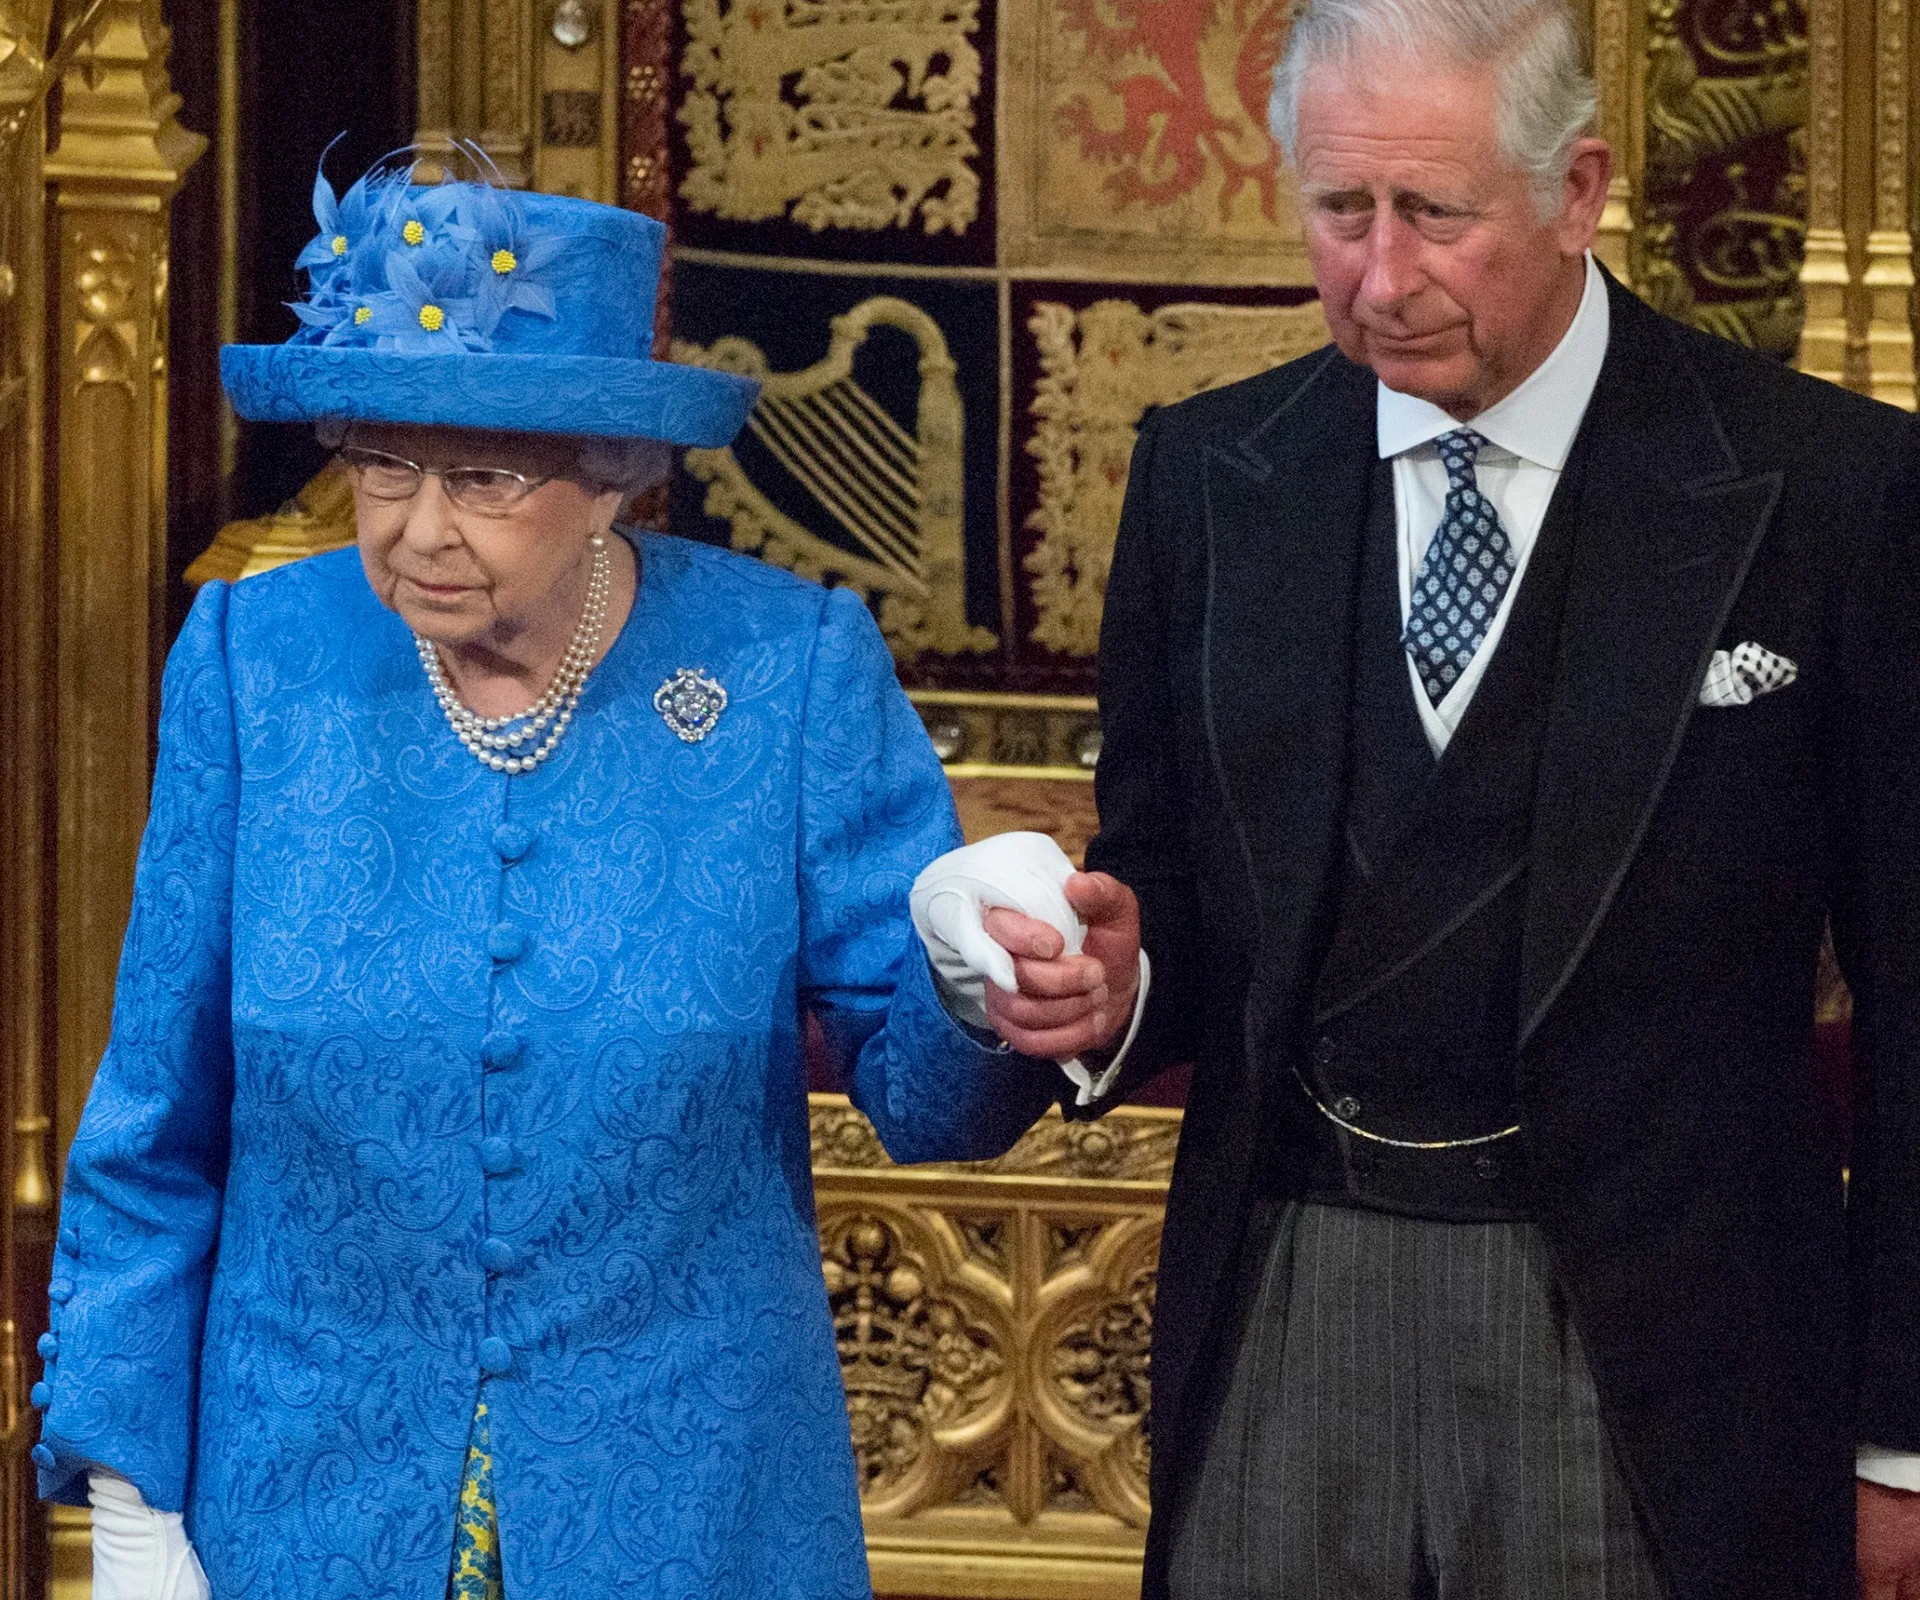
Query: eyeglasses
490, 491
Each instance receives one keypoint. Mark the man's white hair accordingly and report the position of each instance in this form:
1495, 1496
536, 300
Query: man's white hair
1547, 97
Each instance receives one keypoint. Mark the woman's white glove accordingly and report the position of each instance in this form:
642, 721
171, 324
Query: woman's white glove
1025, 872
139, 1553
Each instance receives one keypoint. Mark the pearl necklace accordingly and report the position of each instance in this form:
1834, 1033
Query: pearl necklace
520, 742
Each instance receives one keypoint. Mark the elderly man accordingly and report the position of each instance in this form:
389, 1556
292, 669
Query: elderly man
1497, 705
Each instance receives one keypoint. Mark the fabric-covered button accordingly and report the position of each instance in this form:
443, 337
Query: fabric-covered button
43, 1456
511, 842
1346, 1108
496, 1156
1487, 1166
496, 1357
496, 1255
506, 941
59, 1292
499, 1050
40, 1396
49, 1346
70, 1241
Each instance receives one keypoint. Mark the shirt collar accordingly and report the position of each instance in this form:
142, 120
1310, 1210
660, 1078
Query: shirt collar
1538, 420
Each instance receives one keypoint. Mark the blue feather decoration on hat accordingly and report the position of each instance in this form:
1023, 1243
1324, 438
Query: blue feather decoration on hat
421, 270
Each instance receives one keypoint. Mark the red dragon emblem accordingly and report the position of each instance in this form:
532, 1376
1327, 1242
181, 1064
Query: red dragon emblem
1171, 63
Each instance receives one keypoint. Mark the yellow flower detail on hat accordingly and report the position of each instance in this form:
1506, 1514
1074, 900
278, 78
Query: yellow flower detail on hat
432, 318
504, 261
339, 244
415, 232
362, 315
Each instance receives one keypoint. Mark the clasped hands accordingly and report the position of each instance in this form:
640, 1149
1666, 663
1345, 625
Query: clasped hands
1047, 957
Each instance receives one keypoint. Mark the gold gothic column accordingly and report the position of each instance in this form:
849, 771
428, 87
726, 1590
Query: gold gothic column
1619, 44
1889, 271
1826, 274
1858, 274
84, 210
26, 1202
118, 160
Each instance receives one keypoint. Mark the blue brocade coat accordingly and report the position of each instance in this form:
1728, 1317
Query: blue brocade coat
421, 1074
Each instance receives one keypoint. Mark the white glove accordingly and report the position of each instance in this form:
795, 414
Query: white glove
139, 1553
1025, 872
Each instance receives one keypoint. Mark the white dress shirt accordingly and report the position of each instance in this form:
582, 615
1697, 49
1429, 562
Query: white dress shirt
1528, 437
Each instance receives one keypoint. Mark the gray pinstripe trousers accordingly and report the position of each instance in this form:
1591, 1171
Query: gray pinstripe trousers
1409, 1417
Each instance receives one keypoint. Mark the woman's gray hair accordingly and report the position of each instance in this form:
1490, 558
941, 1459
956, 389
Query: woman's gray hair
632, 466
1547, 97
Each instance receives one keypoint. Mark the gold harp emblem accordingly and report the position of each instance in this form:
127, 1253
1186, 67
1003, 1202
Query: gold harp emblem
893, 495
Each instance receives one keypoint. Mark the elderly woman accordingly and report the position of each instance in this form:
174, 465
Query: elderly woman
441, 1215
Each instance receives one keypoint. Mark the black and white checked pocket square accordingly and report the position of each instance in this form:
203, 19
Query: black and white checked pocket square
1735, 677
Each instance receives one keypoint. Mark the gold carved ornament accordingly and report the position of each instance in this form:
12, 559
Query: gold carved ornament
1101, 369
895, 494
833, 113
923, 1330
994, 1321
1721, 77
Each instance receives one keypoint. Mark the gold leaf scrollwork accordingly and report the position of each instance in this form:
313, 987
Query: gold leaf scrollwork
1089, 1359
1101, 369
836, 113
922, 1333
895, 495
1727, 105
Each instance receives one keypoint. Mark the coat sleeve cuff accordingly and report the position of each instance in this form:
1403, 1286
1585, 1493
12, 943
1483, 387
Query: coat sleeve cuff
1090, 1087
1893, 1469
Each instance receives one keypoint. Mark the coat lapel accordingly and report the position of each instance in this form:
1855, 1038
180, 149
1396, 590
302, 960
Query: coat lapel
1286, 511
1668, 525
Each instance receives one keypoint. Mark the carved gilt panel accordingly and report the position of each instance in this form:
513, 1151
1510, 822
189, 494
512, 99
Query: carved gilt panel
1724, 221
994, 1321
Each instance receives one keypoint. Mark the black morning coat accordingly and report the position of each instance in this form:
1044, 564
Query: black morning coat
1684, 860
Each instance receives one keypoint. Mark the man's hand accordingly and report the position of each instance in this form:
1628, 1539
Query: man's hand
1889, 1541
1068, 1005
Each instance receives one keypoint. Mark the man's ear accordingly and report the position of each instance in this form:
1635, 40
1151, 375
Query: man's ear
1584, 194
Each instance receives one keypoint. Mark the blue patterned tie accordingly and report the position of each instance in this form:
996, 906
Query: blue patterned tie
1466, 571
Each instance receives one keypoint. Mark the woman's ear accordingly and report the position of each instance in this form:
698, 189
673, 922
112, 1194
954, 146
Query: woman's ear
606, 509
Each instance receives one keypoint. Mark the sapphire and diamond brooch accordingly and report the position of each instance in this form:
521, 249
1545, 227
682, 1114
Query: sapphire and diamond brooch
690, 703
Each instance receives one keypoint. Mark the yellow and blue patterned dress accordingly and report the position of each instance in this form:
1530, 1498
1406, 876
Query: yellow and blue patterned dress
476, 1544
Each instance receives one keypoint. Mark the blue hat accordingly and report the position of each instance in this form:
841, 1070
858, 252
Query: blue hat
473, 306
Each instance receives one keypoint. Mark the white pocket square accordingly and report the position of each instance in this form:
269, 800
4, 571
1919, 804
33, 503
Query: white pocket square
1736, 676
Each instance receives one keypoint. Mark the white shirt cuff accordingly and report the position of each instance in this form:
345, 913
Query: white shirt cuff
1893, 1469
1092, 1088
